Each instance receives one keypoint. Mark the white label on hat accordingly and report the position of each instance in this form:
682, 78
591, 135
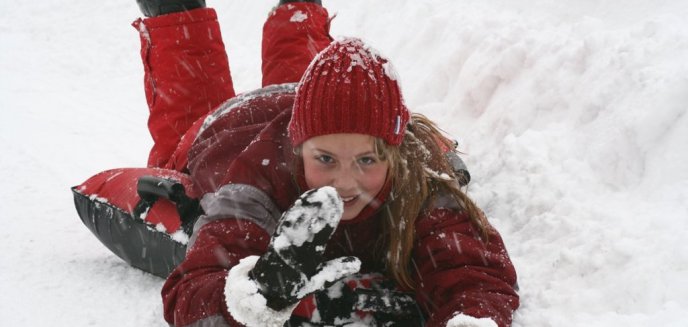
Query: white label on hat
397, 125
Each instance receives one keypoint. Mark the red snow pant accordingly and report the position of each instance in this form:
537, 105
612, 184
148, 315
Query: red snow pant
186, 78
187, 72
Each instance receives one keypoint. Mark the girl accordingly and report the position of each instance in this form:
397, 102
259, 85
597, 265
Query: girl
383, 236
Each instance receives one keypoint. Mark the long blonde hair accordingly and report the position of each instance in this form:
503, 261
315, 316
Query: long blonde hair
420, 171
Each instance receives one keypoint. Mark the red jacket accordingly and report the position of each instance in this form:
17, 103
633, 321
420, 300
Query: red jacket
456, 271
241, 159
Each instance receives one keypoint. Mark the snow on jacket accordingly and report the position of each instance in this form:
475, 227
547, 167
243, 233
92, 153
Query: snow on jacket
249, 174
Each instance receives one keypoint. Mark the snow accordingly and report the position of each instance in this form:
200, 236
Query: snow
571, 115
180, 236
331, 271
244, 301
461, 320
298, 17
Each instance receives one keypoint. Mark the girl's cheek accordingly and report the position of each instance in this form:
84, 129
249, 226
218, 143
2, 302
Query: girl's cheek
375, 178
315, 177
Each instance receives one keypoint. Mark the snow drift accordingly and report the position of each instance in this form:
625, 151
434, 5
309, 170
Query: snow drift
572, 118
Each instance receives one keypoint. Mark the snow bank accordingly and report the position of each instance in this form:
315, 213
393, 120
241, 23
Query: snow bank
572, 117
573, 121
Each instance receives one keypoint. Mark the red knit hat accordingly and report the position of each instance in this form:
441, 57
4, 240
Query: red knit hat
349, 88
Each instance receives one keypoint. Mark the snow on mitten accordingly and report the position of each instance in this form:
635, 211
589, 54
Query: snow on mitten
462, 320
293, 266
369, 299
390, 307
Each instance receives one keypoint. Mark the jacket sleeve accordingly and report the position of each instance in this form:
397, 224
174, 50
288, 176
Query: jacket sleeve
459, 273
236, 225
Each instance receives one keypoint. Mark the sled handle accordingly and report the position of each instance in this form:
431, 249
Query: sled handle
459, 167
151, 188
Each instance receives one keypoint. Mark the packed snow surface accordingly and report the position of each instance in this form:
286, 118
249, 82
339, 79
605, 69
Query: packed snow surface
572, 117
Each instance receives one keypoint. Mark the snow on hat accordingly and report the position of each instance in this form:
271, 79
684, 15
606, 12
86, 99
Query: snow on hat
349, 88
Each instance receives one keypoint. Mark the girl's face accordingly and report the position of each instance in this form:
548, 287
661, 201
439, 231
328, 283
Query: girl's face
348, 163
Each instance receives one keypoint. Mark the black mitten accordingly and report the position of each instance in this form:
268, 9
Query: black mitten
351, 300
389, 307
293, 266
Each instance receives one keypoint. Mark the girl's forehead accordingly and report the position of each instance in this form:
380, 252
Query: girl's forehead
341, 143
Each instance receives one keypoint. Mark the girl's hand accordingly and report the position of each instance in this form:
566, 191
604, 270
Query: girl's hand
293, 266
367, 297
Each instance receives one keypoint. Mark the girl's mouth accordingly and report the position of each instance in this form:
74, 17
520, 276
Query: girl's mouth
349, 200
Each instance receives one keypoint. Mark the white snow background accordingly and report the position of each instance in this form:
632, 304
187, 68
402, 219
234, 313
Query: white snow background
572, 116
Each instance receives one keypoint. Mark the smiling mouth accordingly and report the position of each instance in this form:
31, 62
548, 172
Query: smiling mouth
349, 199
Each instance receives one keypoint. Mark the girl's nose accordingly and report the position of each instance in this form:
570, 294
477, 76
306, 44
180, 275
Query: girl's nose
344, 182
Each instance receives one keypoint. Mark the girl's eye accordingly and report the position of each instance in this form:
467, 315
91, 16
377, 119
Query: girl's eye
325, 159
366, 161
